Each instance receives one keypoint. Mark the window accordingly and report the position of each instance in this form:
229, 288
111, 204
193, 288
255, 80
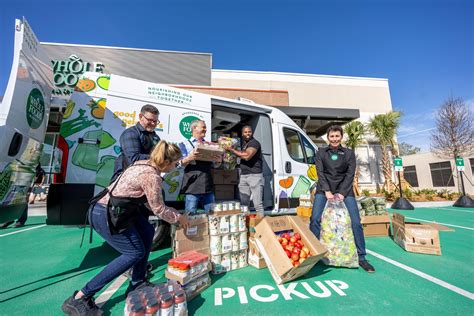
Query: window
309, 151
441, 174
409, 172
299, 148
471, 161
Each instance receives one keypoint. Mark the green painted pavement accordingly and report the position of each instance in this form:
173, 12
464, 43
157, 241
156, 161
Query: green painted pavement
45, 265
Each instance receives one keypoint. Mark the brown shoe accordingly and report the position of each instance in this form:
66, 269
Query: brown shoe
364, 264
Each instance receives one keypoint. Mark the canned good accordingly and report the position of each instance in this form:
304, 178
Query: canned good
242, 222
244, 209
226, 243
224, 224
237, 206
216, 245
225, 206
234, 223
216, 207
214, 223
243, 243
235, 242
242, 258
216, 263
234, 260
216, 259
225, 262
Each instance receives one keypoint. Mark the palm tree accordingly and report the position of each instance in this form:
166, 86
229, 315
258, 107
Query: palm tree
384, 128
355, 131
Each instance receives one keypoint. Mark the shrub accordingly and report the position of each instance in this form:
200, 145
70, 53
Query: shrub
366, 193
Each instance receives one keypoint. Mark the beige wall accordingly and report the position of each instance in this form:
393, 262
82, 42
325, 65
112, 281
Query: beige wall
267, 97
422, 164
366, 94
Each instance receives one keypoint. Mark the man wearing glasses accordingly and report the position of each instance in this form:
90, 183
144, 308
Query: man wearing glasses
138, 141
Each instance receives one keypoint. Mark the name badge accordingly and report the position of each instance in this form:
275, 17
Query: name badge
334, 157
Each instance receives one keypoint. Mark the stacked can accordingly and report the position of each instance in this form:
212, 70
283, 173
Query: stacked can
228, 237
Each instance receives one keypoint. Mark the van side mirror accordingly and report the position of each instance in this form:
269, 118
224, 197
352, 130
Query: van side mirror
15, 144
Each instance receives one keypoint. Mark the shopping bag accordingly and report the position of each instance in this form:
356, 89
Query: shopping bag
337, 236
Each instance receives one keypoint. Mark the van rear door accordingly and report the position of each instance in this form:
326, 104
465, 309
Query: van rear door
297, 172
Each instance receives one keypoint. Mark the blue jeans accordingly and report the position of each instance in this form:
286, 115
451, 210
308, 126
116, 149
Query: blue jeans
351, 204
134, 245
192, 202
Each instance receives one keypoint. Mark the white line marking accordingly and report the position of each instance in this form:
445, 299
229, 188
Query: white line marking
107, 294
424, 275
23, 230
424, 220
448, 209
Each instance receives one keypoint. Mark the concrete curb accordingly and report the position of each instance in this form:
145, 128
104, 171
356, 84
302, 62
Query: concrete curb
428, 204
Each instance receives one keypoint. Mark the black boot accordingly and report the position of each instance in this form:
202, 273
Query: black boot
364, 264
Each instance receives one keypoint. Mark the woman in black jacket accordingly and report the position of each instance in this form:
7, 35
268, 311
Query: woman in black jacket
336, 169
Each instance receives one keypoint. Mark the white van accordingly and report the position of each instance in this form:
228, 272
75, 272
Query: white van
96, 116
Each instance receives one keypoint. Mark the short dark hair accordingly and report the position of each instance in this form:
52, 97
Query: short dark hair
247, 126
148, 108
334, 128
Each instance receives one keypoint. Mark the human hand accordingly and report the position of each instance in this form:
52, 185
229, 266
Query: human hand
227, 147
194, 155
329, 196
183, 221
339, 197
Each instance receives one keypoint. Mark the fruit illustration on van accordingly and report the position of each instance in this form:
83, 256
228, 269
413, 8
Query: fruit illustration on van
98, 108
286, 183
103, 82
85, 85
69, 108
312, 173
5, 176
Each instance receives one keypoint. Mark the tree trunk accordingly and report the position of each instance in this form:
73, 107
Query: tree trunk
387, 170
355, 184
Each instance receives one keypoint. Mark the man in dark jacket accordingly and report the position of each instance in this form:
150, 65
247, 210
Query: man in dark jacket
336, 169
138, 141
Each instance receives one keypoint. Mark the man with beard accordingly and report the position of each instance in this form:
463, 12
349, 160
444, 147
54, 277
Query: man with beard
251, 170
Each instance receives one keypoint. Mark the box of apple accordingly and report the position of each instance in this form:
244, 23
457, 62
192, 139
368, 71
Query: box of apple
294, 247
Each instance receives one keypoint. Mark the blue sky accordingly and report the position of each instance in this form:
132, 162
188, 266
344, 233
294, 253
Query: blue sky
424, 48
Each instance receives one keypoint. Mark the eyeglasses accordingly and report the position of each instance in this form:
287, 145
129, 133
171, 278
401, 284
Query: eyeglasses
151, 120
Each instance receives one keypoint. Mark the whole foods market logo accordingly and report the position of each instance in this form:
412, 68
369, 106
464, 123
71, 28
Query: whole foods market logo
35, 108
185, 126
67, 73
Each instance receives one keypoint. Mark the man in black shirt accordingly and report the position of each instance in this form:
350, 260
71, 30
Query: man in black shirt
251, 176
336, 169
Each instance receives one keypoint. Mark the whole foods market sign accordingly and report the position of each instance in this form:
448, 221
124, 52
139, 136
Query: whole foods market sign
67, 73
35, 108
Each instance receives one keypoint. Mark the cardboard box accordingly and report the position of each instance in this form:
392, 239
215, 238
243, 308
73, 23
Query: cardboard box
207, 152
195, 237
185, 280
305, 220
376, 225
276, 259
304, 211
415, 237
225, 176
224, 191
252, 222
255, 258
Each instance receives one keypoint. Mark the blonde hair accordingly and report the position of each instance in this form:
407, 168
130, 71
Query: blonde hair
165, 153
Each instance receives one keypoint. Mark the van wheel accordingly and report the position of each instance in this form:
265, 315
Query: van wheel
162, 238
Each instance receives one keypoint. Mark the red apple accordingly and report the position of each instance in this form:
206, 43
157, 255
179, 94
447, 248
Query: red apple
292, 243
286, 235
297, 236
296, 250
289, 247
303, 254
300, 244
280, 239
293, 239
295, 257
284, 242
297, 263
305, 249
301, 260
288, 253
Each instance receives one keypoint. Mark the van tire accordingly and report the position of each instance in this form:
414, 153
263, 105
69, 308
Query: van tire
162, 238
